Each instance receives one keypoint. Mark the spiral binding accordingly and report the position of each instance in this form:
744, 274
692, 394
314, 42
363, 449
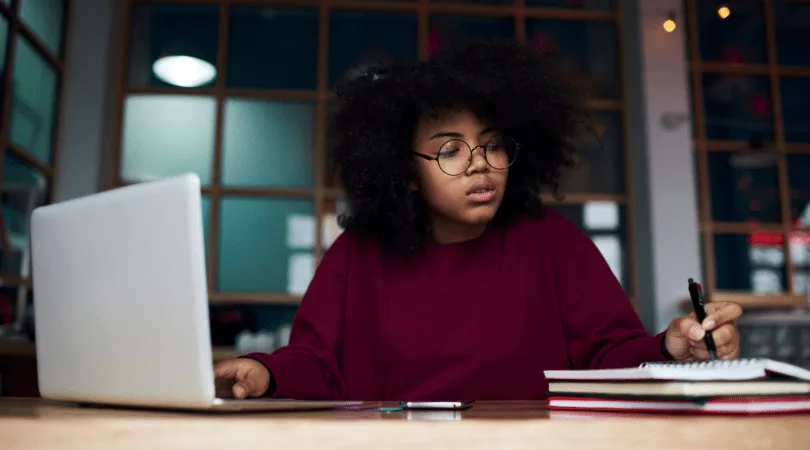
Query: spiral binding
716, 364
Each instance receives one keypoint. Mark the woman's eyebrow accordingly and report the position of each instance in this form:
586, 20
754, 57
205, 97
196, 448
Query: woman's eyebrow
456, 134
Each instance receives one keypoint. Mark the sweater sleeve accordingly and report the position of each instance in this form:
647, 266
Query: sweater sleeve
601, 327
307, 368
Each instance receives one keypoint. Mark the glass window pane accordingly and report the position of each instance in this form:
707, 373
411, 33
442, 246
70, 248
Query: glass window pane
47, 19
251, 327
754, 262
740, 38
268, 143
795, 92
799, 181
589, 48
601, 5
447, 30
266, 245
182, 38
273, 48
206, 220
3, 48
600, 161
791, 21
357, 37
33, 111
23, 189
744, 187
604, 223
800, 256
167, 135
737, 106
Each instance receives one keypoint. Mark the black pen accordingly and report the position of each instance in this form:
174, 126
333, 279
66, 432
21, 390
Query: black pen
696, 292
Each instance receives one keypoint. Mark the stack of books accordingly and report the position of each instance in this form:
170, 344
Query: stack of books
739, 386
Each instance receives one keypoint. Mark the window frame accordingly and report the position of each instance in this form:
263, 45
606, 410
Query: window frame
322, 193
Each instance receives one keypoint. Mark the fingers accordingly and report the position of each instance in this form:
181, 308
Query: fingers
720, 313
241, 378
727, 343
729, 351
689, 327
252, 380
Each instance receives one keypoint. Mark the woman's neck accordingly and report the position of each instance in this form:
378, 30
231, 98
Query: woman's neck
445, 231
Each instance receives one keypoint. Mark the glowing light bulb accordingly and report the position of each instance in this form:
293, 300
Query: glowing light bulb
184, 71
723, 12
669, 25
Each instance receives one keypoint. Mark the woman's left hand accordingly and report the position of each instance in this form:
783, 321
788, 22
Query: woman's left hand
684, 336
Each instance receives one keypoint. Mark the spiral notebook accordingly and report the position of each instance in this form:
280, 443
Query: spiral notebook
720, 370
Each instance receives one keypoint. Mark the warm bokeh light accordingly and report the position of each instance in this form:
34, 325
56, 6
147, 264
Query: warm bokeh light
669, 25
723, 12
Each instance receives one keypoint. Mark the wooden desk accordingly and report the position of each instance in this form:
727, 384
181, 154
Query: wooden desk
39, 424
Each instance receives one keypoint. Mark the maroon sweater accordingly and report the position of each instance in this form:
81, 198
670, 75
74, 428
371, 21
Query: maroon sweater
477, 320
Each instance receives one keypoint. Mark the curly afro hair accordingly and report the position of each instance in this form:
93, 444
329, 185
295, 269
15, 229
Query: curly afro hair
524, 94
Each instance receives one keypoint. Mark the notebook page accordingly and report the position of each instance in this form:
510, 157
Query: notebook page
698, 371
769, 366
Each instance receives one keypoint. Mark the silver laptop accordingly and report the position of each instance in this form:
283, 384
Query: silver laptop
121, 301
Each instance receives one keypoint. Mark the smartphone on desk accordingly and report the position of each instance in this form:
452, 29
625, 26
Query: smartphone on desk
456, 405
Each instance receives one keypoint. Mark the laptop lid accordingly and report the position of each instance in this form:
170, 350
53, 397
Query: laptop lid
120, 297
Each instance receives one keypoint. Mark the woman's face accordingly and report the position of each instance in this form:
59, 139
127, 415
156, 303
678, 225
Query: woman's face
463, 191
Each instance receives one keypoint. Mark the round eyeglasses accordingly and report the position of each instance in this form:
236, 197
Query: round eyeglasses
455, 156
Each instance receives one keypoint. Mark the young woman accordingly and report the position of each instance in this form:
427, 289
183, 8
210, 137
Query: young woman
452, 280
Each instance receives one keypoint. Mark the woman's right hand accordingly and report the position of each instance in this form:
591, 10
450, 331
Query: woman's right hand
241, 378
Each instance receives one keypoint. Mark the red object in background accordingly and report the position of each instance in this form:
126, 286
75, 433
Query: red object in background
543, 42
733, 55
433, 42
760, 106
6, 317
772, 238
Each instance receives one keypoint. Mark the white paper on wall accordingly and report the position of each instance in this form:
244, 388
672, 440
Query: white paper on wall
300, 231
300, 270
611, 250
600, 216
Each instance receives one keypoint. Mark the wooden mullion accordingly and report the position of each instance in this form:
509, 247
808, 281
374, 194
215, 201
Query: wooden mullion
629, 191
582, 198
423, 30
30, 159
726, 146
728, 68
121, 82
321, 118
41, 47
14, 279
258, 298
797, 147
268, 94
779, 138
739, 227
705, 209
583, 15
215, 195
520, 21
56, 139
605, 104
